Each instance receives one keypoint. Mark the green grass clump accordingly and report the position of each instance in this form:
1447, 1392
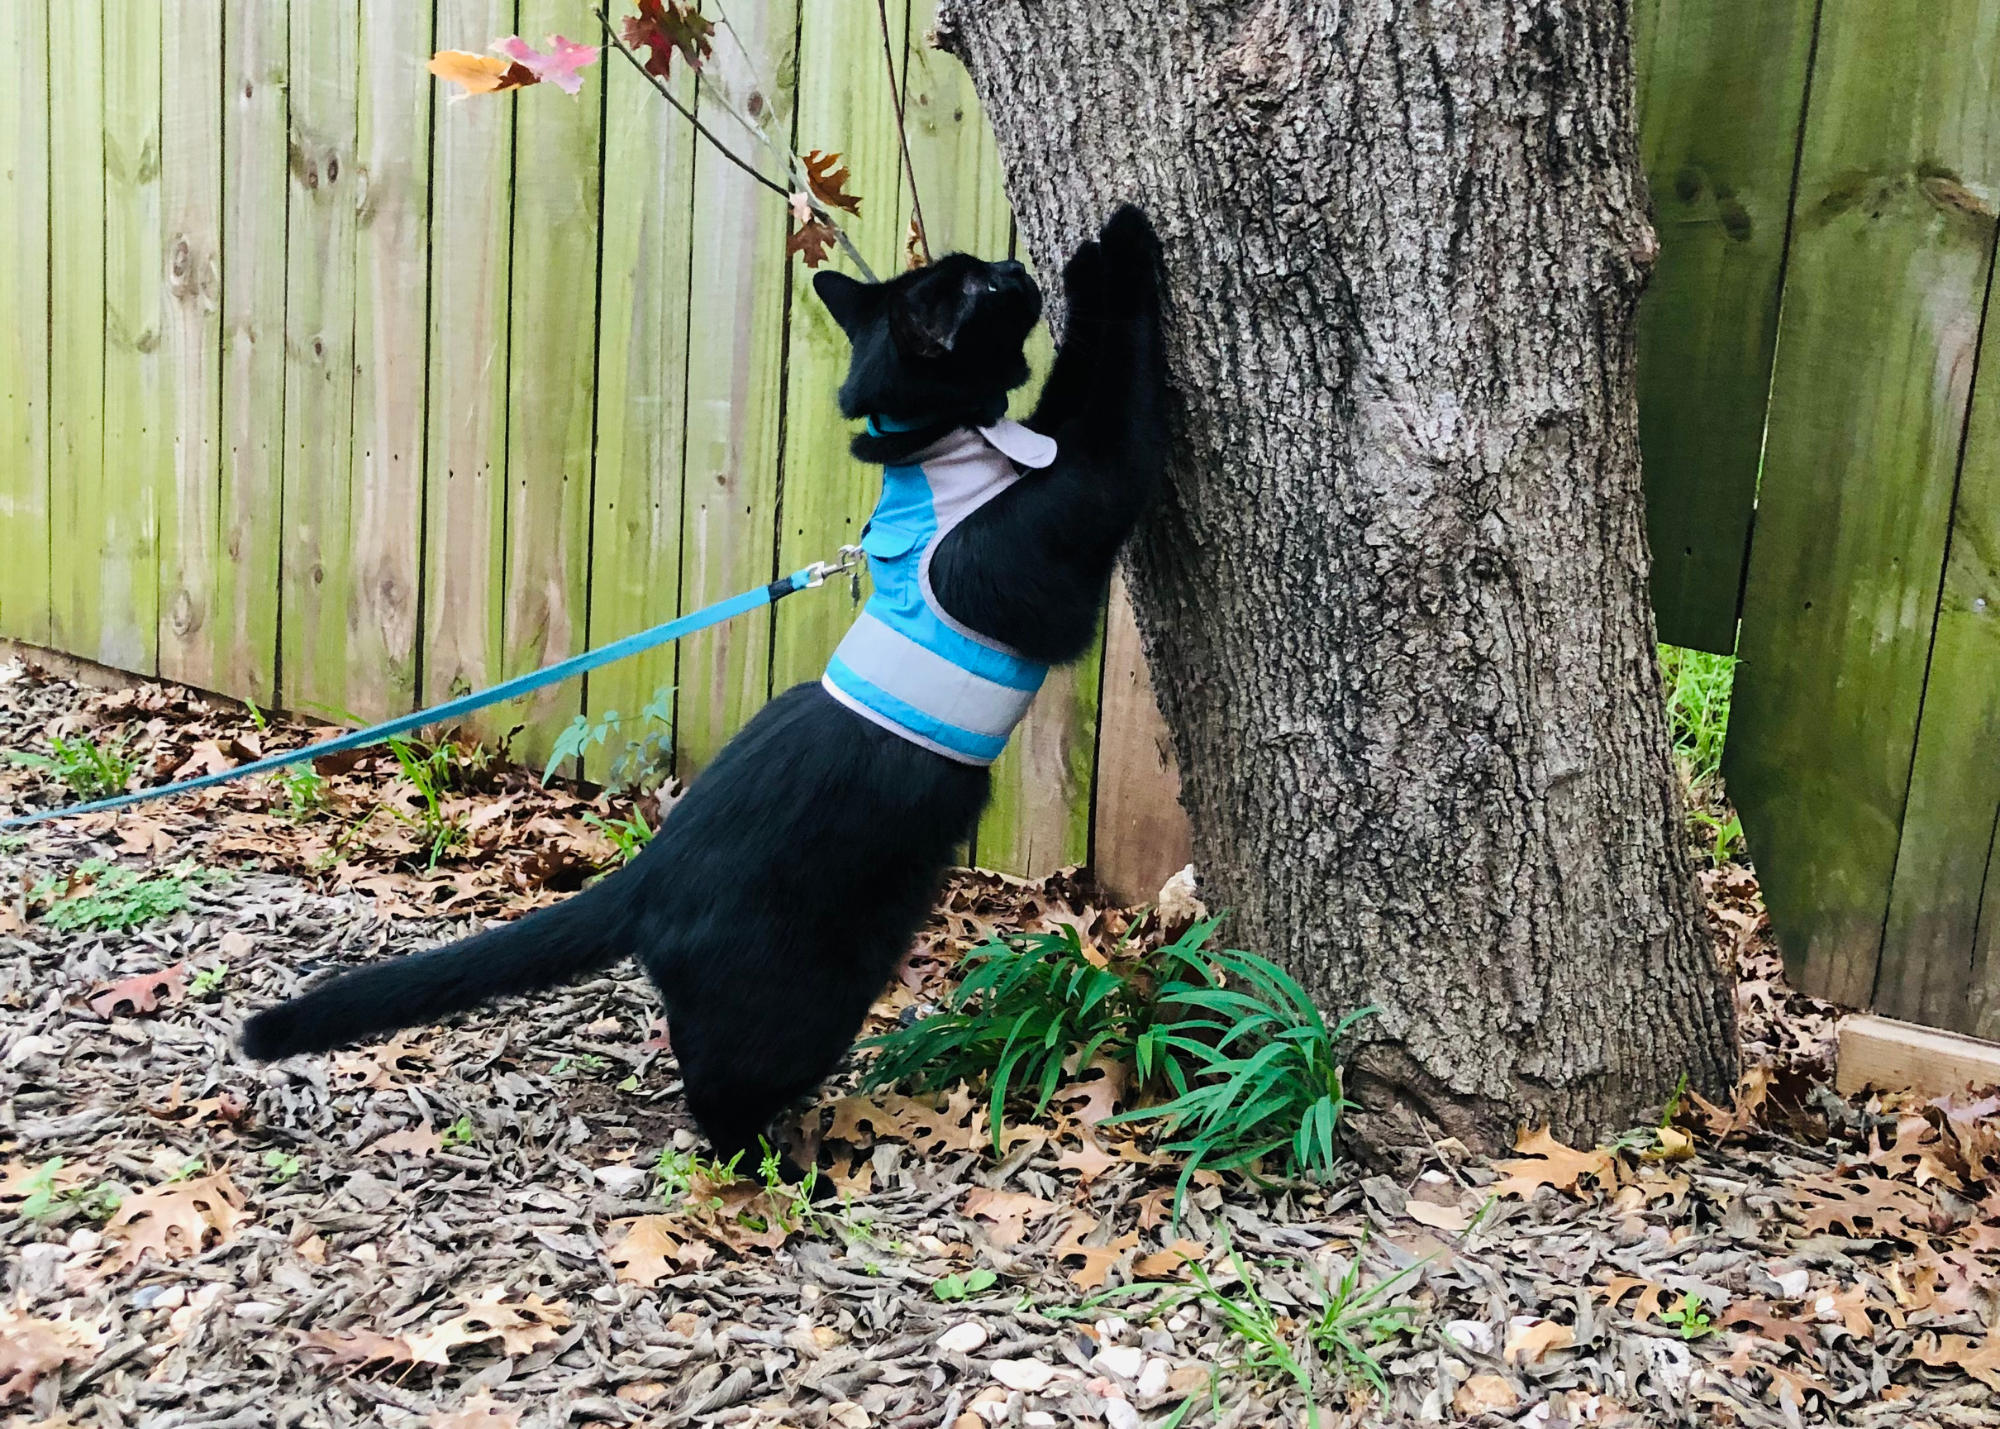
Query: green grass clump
1697, 689
100, 894
1249, 1066
90, 769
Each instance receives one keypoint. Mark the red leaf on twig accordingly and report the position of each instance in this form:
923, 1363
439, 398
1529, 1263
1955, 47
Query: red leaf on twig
664, 26
813, 240
829, 184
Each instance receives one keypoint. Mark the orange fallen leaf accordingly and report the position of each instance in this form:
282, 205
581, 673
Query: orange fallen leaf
480, 74
1008, 1212
418, 1141
1089, 1161
356, 1349
175, 1221
1443, 1218
1097, 1259
648, 1254
827, 178
1645, 1307
1980, 1359
1529, 1342
1100, 1096
521, 1328
1552, 1164
1485, 1394
1769, 1324
31, 1348
1171, 1261
141, 992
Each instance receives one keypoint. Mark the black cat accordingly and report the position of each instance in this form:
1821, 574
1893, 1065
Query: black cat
773, 905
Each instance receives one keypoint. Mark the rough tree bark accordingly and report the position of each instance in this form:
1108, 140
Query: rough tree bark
1395, 601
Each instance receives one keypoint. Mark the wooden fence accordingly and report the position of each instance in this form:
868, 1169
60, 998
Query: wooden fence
323, 390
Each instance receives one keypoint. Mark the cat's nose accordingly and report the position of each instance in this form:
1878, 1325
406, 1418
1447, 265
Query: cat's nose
1009, 272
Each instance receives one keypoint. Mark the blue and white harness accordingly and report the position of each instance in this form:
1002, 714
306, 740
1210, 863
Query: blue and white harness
906, 664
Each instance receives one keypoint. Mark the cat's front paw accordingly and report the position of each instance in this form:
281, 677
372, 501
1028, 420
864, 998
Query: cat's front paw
1131, 259
1084, 279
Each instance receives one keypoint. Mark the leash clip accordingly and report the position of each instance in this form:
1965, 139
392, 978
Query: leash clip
818, 571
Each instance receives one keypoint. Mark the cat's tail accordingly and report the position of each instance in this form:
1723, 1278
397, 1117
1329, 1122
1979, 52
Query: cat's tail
551, 945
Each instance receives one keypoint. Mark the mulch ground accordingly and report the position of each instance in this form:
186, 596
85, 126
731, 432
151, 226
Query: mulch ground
464, 1226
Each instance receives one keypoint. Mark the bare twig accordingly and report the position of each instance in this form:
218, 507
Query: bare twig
618, 43
902, 130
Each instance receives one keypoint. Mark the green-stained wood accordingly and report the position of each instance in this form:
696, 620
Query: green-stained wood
1868, 402
24, 341
552, 366
76, 334
736, 356
1721, 93
642, 377
191, 107
466, 469
319, 360
137, 459
845, 105
1929, 945
244, 597
391, 276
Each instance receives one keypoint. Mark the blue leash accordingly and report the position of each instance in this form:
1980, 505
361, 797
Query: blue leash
813, 575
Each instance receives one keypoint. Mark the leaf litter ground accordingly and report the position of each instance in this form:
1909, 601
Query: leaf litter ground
461, 1226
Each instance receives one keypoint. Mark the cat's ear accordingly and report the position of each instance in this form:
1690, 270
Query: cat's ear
852, 303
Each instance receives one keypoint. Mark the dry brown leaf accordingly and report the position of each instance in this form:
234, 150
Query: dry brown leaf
1646, 1307
521, 1328
1099, 1096
1528, 1343
481, 1411
479, 74
1759, 1317
31, 1348
1485, 1394
648, 1254
1980, 1359
1097, 1259
418, 1141
1089, 1161
356, 1349
813, 241
175, 1221
1553, 1164
141, 992
827, 178
1863, 1207
1171, 1261
1008, 1212
1443, 1218
1916, 1154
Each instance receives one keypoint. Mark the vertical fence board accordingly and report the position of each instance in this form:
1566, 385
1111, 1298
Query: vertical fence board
319, 359
191, 104
24, 343
552, 365
1928, 949
126, 569
735, 383
245, 594
844, 105
392, 194
1141, 837
76, 337
642, 377
1868, 401
1721, 93
466, 469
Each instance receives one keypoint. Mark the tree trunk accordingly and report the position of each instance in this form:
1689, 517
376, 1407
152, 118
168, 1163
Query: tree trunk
1395, 599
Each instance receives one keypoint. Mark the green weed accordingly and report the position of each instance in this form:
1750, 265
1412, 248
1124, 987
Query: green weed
644, 760
628, 836
283, 1165
207, 980
100, 894
1027, 1008
459, 1133
1254, 1066
90, 769
678, 1171
1698, 688
963, 1287
434, 772
47, 1201
1690, 1318
304, 790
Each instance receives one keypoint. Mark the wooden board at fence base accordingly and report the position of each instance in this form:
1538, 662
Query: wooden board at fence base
844, 105
76, 335
392, 257
642, 376
1898, 1056
465, 473
1868, 402
256, 69
552, 371
1141, 836
191, 72
740, 278
1930, 970
319, 361
123, 571
24, 341
1721, 94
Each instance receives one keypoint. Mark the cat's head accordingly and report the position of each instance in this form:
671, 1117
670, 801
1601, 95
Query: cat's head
943, 340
